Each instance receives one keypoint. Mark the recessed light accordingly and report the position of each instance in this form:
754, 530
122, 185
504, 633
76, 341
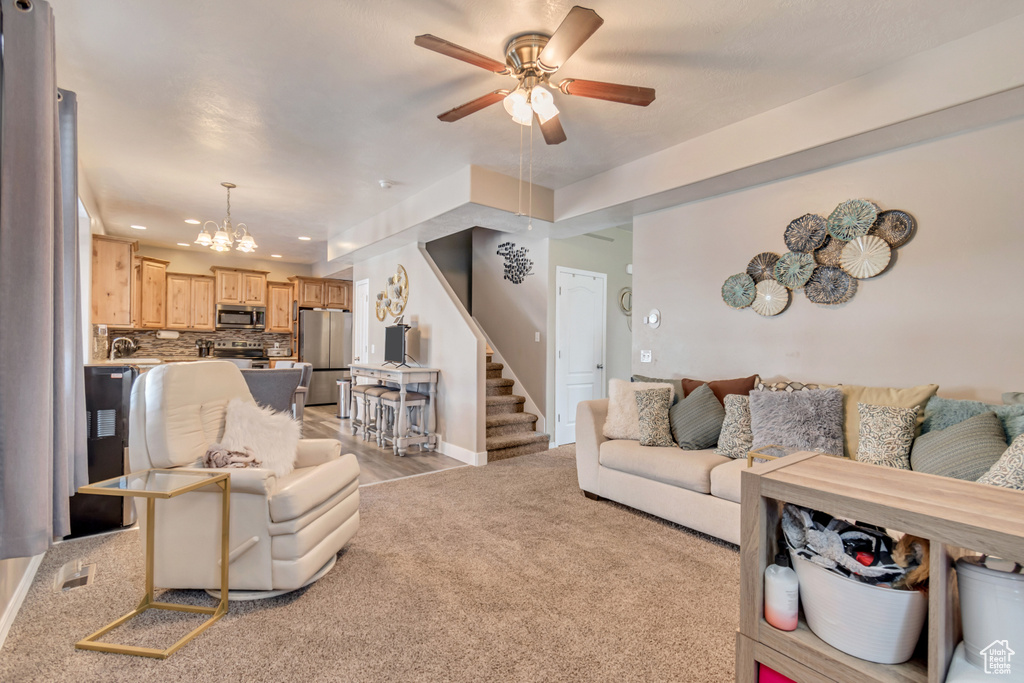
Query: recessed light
305, 239
275, 256
138, 227
192, 221
183, 244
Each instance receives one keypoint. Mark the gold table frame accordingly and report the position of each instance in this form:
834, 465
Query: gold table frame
223, 481
758, 453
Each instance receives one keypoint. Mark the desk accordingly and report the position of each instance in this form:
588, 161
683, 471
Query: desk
153, 484
403, 377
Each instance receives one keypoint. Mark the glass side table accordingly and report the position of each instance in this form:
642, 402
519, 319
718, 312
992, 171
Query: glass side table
153, 484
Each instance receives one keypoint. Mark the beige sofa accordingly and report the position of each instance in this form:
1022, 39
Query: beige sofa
697, 489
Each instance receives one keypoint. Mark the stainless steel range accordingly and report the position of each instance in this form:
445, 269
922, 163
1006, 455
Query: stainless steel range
251, 350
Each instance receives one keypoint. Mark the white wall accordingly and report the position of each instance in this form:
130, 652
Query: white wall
16, 575
511, 314
197, 261
602, 256
948, 311
442, 337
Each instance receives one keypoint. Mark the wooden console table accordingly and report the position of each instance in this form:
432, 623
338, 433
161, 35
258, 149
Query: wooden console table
953, 515
403, 377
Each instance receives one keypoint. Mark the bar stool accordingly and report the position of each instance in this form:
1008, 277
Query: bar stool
415, 403
357, 400
372, 424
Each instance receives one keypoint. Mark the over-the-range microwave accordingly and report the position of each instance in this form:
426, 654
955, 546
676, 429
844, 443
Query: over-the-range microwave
233, 317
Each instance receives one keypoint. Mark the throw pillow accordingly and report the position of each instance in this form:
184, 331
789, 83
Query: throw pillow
808, 420
697, 419
722, 387
966, 450
878, 396
886, 434
272, 437
736, 439
1008, 471
941, 413
623, 421
1013, 398
652, 406
788, 387
677, 385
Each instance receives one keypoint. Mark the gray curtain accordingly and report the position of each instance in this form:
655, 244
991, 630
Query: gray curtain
42, 398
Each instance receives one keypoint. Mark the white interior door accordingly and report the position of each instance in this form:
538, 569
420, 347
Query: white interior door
361, 322
580, 312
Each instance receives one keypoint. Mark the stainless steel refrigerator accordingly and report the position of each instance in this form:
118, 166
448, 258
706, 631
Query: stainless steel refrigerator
325, 340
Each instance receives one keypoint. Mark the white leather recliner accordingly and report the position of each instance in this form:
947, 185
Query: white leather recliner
284, 533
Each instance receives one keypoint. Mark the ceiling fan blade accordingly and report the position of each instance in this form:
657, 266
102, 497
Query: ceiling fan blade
473, 106
552, 130
458, 52
574, 30
612, 92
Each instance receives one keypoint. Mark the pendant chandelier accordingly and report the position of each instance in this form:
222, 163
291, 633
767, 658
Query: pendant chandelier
225, 234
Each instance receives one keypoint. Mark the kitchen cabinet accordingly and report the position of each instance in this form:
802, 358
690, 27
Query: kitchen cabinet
240, 286
279, 306
152, 293
323, 293
189, 302
112, 272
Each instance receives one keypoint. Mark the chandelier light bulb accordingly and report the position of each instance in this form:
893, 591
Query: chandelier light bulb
204, 239
543, 103
517, 104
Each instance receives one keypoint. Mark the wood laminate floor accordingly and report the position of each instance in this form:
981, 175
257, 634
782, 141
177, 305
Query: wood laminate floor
375, 464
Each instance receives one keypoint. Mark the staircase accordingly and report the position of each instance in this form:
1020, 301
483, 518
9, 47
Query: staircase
510, 431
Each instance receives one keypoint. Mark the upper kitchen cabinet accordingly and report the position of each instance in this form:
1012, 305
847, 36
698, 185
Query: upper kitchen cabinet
323, 293
152, 293
201, 293
279, 306
239, 286
189, 302
112, 261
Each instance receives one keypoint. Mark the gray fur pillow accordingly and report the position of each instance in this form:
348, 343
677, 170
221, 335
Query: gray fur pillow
809, 420
652, 406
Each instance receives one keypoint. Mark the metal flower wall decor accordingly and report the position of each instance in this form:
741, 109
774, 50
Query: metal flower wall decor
826, 258
517, 264
393, 299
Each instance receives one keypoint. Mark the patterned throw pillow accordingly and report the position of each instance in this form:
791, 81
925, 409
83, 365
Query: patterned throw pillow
788, 387
697, 420
736, 438
1008, 471
806, 420
652, 406
886, 435
967, 450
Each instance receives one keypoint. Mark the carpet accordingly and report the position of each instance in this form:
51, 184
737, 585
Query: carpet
499, 573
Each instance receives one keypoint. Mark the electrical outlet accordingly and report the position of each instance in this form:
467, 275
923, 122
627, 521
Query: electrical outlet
536, 336
645, 356
101, 330
373, 348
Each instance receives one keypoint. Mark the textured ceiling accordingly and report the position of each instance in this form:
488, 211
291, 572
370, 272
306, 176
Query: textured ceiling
306, 105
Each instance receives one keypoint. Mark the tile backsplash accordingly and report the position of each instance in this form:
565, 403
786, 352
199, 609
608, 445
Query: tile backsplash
182, 347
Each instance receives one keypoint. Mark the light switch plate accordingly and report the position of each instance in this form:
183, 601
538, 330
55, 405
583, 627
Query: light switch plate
536, 336
645, 356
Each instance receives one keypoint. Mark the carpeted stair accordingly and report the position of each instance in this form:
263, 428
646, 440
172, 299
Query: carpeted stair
510, 431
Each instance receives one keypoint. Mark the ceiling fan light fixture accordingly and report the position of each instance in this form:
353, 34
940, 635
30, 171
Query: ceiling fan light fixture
517, 104
543, 103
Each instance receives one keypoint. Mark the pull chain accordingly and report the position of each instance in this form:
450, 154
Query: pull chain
529, 225
519, 211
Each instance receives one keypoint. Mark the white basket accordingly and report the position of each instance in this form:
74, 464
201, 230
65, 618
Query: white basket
871, 622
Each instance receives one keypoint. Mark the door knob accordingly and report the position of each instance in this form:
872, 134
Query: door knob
600, 366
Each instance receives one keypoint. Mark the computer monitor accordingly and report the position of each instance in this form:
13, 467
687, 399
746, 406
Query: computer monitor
394, 344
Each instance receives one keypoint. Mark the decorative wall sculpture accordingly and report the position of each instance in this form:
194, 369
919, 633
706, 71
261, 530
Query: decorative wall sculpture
517, 264
395, 295
826, 258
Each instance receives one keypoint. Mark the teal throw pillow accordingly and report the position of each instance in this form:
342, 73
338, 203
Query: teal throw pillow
967, 450
940, 413
697, 419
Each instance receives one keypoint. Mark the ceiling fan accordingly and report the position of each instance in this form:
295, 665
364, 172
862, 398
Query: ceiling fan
532, 58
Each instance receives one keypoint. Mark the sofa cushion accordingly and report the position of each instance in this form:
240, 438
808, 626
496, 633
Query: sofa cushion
1008, 471
736, 439
725, 480
697, 420
307, 487
967, 450
723, 387
652, 407
669, 465
878, 396
941, 413
623, 421
806, 420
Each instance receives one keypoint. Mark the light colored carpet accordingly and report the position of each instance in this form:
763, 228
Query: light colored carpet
500, 573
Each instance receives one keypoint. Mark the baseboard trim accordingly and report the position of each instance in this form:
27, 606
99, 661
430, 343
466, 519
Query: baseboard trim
12, 607
463, 454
